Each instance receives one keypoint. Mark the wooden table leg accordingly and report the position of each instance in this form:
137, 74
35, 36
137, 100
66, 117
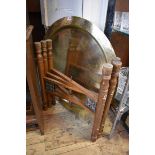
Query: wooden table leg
113, 82
104, 85
50, 64
41, 73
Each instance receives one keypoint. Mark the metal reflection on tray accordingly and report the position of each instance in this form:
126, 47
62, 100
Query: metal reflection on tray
80, 49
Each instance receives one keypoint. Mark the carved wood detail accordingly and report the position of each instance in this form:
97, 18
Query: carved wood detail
44, 50
50, 55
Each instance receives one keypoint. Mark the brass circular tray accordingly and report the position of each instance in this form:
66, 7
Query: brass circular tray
80, 49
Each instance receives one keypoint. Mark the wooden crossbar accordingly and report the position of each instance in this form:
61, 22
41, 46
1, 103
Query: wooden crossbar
62, 93
56, 82
74, 85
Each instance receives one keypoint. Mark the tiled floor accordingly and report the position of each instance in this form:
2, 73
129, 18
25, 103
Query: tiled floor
67, 135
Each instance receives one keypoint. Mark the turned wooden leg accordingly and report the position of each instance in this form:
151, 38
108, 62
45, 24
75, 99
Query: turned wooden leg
50, 64
104, 85
41, 72
113, 83
45, 58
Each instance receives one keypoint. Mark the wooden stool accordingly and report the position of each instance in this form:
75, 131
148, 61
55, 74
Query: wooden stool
62, 85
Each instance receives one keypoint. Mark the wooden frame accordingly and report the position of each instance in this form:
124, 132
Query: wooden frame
63, 85
32, 83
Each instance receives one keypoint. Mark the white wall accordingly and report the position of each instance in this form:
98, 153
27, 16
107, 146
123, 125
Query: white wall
93, 10
52, 10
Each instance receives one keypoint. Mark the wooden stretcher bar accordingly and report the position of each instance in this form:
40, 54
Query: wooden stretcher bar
72, 98
77, 86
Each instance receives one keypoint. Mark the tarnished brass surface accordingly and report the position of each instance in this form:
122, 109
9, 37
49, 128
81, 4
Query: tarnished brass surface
80, 49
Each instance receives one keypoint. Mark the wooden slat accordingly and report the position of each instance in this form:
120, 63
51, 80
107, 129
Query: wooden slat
72, 87
66, 83
80, 102
85, 91
55, 77
71, 98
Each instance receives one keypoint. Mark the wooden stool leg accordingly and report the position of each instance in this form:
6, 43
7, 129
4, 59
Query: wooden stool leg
50, 63
113, 83
104, 85
41, 72
45, 58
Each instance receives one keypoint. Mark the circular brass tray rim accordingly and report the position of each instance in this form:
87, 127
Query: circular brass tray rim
91, 29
